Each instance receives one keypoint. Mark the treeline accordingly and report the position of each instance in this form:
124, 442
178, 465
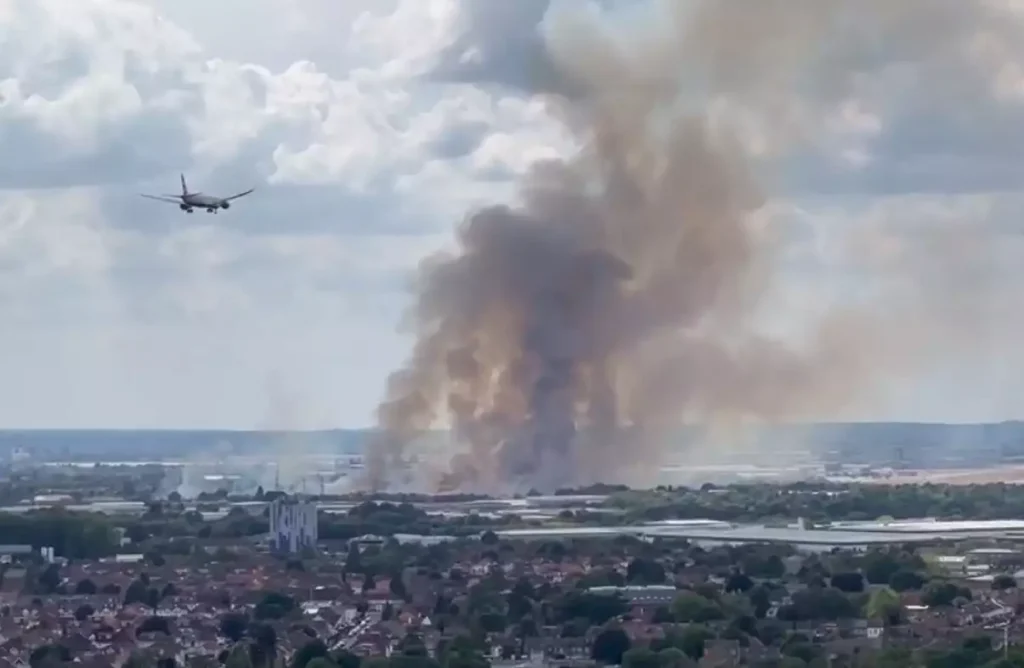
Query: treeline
823, 502
72, 535
80, 535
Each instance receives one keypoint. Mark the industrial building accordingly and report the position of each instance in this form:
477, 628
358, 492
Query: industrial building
293, 526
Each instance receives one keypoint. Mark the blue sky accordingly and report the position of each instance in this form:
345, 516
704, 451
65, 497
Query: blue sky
369, 134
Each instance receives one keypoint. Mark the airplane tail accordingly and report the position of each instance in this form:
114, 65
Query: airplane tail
184, 187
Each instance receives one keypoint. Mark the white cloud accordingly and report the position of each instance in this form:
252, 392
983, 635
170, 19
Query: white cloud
369, 127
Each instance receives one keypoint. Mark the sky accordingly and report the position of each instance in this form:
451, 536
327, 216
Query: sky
368, 135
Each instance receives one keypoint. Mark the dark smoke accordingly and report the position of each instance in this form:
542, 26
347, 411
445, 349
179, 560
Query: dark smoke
570, 333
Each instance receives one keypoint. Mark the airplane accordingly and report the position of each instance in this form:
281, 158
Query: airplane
187, 201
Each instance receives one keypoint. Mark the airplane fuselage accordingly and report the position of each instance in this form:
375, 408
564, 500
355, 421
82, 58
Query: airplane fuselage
201, 201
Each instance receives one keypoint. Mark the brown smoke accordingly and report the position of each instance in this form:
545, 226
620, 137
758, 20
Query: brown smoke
623, 296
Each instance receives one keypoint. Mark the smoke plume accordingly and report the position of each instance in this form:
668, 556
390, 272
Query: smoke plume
626, 292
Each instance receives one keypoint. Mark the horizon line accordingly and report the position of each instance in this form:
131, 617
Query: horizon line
313, 430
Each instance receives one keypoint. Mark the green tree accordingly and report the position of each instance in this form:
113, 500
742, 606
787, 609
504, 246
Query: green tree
879, 567
941, 594
154, 624
906, 580
397, 587
314, 649
641, 657
238, 657
346, 659
1003, 581
354, 560
49, 580
673, 657
739, 582
493, 622
274, 606
84, 612
609, 646
321, 662
692, 607
850, 582
596, 608
49, 655
643, 571
233, 626
137, 592
884, 605
85, 587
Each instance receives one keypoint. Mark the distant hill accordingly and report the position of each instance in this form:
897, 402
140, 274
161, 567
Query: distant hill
913, 444
131, 444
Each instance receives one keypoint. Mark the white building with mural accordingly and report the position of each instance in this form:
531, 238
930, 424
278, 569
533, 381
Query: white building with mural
292, 526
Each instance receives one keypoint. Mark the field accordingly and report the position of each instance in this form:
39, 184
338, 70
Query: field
1010, 474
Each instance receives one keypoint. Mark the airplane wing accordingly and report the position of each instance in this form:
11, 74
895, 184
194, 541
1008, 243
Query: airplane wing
163, 199
228, 199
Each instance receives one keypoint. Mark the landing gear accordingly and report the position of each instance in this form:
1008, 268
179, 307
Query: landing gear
211, 210
186, 208
189, 210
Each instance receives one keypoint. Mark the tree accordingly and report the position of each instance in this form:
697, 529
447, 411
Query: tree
818, 604
906, 580
884, 604
273, 606
1003, 581
233, 626
673, 657
692, 607
238, 657
85, 587
397, 587
596, 608
462, 652
493, 622
49, 580
662, 615
850, 583
312, 650
758, 566
609, 646
48, 655
263, 648
72, 535
641, 657
645, 572
346, 659
137, 592
354, 559
739, 582
155, 558
941, 594
84, 612
154, 624
520, 599
760, 600
879, 567
321, 662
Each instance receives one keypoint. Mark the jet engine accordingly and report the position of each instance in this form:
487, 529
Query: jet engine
225, 205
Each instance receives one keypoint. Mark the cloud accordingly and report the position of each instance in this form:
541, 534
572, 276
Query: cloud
369, 128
